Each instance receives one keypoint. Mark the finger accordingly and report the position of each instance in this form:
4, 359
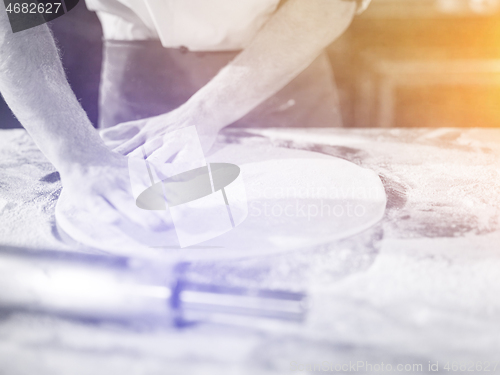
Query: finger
182, 139
184, 161
176, 140
125, 204
185, 157
160, 159
181, 152
122, 131
122, 220
104, 210
130, 145
151, 145
113, 144
166, 152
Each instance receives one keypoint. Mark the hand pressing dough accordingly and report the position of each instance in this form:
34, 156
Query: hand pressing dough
296, 199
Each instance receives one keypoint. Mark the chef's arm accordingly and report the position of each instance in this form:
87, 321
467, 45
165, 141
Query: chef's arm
33, 83
293, 37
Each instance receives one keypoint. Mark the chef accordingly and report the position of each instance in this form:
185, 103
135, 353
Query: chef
196, 69
169, 64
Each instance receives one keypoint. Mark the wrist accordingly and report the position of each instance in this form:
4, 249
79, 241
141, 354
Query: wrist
66, 138
200, 112
74, 164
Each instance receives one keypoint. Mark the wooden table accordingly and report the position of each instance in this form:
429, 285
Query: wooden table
421, 286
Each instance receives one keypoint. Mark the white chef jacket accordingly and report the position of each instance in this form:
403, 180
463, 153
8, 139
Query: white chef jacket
196, 24
199, 25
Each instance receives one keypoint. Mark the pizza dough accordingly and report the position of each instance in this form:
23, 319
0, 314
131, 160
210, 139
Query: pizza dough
295, 199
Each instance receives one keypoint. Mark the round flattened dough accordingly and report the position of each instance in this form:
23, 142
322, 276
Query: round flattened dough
300, 199
296, 199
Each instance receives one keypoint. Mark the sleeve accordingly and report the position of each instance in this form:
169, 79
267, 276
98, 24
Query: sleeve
362, 5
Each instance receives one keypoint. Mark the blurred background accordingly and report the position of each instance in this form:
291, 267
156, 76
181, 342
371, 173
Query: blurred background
421, 63
403, 63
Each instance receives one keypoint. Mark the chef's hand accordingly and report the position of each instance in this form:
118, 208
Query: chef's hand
158, 135
102, 191
294, 36
97, 189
